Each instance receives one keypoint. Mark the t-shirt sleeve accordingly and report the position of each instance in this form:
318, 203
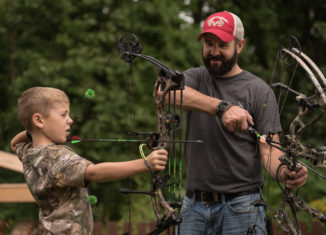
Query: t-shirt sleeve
266, 115
21, 149
69, 171
192, 77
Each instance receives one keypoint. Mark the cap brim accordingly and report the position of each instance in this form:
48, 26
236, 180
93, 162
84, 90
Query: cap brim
225, 37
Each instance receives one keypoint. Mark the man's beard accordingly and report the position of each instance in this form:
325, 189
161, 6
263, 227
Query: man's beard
224, 68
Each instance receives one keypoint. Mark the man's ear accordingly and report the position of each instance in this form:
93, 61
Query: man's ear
240, 45
37, 120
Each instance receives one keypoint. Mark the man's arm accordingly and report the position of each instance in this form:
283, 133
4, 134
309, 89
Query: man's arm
270, 158
19, 138
234, 119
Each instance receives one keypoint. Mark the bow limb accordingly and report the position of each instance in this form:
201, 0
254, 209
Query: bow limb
302, 205
317, 100
321, 98
312, 64
284, 219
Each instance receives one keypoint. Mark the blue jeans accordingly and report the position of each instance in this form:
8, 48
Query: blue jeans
225, 218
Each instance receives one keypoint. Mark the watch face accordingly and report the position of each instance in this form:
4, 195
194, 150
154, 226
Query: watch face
222, 106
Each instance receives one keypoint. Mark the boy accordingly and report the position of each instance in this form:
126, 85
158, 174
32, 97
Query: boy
56, 176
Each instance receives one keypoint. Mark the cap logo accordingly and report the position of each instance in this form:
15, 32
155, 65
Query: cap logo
217, 21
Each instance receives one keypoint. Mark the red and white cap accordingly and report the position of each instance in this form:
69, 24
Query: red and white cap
224, 25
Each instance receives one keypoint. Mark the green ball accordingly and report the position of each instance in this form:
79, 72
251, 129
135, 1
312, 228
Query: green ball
90, 93
92, 200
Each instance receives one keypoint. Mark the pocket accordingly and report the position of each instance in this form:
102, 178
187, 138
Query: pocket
187, 203
243, 204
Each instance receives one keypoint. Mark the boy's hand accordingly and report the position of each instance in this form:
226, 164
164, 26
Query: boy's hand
157, 159
294, 179
19, 138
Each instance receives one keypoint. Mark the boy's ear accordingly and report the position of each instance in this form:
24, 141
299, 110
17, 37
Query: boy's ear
37, 120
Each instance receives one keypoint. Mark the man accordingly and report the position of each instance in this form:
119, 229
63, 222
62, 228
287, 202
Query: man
224, 174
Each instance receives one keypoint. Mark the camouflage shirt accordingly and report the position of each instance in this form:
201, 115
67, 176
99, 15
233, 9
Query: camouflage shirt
55, 177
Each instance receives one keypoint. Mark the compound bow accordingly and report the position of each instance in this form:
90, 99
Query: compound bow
293, 149
167, 121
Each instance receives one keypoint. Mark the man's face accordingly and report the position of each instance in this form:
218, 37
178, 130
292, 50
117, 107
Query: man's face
218, 56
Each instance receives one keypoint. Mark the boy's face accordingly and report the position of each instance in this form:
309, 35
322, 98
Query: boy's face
57, 125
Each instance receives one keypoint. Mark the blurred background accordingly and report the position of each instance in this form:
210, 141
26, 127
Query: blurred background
72, 45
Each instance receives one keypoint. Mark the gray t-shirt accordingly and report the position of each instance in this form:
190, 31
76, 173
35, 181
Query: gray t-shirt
228, 162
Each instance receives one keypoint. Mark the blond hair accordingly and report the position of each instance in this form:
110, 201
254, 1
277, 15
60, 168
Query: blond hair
38, 100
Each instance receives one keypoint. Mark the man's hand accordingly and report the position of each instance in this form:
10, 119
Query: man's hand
157, 159
237, 119
293, 179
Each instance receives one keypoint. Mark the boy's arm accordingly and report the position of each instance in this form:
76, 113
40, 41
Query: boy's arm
19, 138
111, 171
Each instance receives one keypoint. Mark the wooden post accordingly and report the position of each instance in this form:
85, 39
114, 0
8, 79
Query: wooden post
10, 161
19, 192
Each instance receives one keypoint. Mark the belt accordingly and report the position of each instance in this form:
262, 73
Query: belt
212, 198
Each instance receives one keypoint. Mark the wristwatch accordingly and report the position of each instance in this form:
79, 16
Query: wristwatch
222, 107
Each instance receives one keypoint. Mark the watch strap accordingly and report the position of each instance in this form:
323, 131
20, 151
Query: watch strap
222, 107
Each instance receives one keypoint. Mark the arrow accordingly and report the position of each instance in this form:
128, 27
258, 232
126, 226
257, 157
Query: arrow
75, 139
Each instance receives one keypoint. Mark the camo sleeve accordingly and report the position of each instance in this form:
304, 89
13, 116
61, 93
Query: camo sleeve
21, 149
69, 170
